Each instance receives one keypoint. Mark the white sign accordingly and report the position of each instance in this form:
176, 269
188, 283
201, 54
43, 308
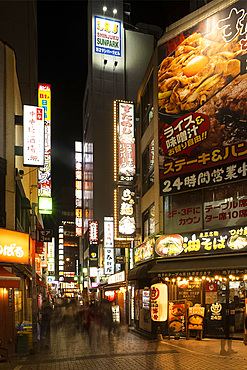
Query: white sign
33, 136
108, 232
109, 261
107, 34
116, 278
93, 231
159, 301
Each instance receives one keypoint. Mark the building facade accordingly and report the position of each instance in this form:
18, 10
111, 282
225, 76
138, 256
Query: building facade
192, 181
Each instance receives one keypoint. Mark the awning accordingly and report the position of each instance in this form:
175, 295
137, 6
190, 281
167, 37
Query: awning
39, 282
203, 263
141, 272
8, 280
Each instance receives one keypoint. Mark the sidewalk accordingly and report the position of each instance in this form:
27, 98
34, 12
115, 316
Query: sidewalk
209, 347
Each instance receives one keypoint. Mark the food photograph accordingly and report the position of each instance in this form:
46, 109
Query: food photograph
202, 81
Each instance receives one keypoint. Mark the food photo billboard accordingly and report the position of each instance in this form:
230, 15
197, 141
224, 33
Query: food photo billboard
202, 83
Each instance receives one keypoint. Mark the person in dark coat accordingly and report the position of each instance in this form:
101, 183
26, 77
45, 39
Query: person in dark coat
46, 315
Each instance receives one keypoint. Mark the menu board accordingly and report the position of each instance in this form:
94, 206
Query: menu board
177, 317
146, 299
190, 290
195, 317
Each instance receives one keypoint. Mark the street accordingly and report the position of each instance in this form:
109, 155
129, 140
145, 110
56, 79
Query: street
69, 348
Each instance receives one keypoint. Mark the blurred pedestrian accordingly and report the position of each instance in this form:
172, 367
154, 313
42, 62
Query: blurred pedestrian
46, 316
106, 315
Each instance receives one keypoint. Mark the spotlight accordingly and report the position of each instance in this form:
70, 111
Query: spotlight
115, 63
114, 11
104, 8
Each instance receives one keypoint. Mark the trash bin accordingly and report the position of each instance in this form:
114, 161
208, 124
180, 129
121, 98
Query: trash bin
29, 332
22, 342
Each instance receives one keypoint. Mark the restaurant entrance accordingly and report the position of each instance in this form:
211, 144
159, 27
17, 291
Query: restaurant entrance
225, 308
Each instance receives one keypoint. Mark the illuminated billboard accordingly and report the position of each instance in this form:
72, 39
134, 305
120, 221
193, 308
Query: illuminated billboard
44, 173
93, 232
108, 246
14, 246
78, 188
107, 33
124, 170
202, 83
33, 136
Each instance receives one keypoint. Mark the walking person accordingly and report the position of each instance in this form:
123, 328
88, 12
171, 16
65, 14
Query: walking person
46, 315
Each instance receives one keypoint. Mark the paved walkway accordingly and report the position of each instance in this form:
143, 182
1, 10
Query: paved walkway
70, 349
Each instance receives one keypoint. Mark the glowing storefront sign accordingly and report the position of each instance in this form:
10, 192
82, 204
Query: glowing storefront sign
117, 278
107, 35
14, 246
126, 141
61, 253
108, 246
93, 231
159, 302
44, 173
33, 136
51, 256
126, 216
78, 188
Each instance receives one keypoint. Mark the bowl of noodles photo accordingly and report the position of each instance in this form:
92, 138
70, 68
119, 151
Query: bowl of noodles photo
237, 242
169, 245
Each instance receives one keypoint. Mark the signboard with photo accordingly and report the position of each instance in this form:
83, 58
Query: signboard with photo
203, 242
196, 317
177, 317
202, 82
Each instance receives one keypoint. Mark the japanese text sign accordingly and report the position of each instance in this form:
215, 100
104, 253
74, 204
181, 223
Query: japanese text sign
127, 213
33, 136
229, 240
107, 35
14, 246
202, 134
126, 141
158, 295
93, 231
45, 235
78, 188
44, 173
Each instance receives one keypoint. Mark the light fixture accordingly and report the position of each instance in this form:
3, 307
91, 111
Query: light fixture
104, 8
114, 11
105, 62
115, 63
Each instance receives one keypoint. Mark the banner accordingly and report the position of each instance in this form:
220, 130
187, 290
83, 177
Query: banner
202, 83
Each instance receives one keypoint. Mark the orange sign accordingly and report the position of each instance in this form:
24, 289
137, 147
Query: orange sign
14, 246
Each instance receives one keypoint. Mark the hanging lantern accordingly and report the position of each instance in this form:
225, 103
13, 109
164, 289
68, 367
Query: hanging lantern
159, 301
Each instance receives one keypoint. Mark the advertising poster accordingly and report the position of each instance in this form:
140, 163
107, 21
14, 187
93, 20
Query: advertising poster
144, 251
202, 83
177, 317
229, 240
196, 317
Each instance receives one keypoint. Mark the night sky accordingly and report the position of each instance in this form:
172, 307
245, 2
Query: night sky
62, 60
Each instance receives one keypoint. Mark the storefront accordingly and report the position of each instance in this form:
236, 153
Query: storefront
217, 283
139, 296
115, 292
